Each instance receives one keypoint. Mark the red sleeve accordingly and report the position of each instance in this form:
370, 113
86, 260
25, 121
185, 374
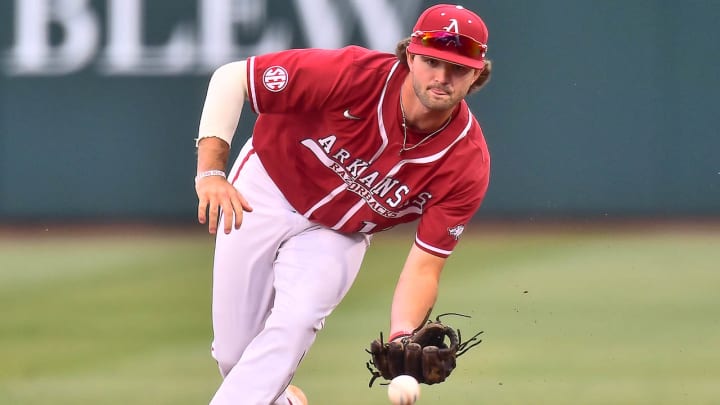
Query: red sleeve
443, 223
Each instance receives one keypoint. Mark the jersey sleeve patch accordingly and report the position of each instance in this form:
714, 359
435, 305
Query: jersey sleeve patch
456, 231
275, 78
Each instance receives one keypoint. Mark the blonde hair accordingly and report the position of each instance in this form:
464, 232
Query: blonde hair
482, 80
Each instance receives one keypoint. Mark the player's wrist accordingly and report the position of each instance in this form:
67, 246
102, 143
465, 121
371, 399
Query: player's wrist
209, 173
399, 335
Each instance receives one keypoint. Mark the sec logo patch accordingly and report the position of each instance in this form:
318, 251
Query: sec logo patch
275, 78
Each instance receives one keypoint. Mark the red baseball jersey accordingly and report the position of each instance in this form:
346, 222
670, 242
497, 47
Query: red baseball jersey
329, 133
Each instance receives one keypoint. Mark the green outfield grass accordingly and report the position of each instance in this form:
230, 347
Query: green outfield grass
572, 315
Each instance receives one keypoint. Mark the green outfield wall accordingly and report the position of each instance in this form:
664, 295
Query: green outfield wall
595, 108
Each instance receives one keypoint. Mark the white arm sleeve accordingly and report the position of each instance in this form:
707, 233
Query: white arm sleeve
226, 95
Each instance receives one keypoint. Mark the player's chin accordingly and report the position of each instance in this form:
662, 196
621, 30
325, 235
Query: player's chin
441, 103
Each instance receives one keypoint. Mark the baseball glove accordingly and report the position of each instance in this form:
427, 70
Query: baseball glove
428, 354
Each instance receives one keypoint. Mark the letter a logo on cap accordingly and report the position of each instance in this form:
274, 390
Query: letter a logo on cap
453, 26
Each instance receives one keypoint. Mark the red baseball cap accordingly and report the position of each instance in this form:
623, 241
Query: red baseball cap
451, 33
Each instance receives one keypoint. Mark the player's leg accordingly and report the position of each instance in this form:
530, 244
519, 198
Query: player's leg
313, 271
242, 295
243, 266
332, 273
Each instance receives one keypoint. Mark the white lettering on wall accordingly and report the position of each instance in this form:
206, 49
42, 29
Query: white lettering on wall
217, 35
32, 52
125, 52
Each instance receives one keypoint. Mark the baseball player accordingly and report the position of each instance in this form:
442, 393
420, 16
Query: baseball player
347, 142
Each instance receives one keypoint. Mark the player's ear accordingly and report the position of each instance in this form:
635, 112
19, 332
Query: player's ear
409, 58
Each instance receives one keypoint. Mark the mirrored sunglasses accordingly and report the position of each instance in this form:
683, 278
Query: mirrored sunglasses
442, 40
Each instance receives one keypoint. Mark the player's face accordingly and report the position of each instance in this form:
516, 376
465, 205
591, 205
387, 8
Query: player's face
440, 85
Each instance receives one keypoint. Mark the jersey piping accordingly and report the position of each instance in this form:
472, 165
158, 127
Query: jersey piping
432, 158
250, 69
381, 121
431, 248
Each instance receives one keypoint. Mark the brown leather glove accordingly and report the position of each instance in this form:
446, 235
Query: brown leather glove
429, 354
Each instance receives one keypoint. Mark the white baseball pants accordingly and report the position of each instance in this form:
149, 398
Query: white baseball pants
275, 280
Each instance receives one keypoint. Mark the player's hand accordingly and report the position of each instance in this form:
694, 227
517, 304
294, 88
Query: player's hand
214, 193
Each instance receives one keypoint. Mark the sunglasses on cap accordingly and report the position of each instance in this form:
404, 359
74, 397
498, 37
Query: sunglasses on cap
442, 40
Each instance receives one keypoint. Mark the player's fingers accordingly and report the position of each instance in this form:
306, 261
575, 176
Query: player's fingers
244, 203
228, 214
202, 210
239, 204
213, 213
237, 210
217, 195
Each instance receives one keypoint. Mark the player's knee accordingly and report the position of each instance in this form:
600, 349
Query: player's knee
303, 321
226, 358
224, 368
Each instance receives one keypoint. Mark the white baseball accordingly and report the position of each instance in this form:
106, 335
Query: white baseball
403, 390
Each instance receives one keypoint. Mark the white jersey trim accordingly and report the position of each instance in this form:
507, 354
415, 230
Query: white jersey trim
351, 212
339, 189
315, 149
436, 156
381, 122
432, 248
251, 74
